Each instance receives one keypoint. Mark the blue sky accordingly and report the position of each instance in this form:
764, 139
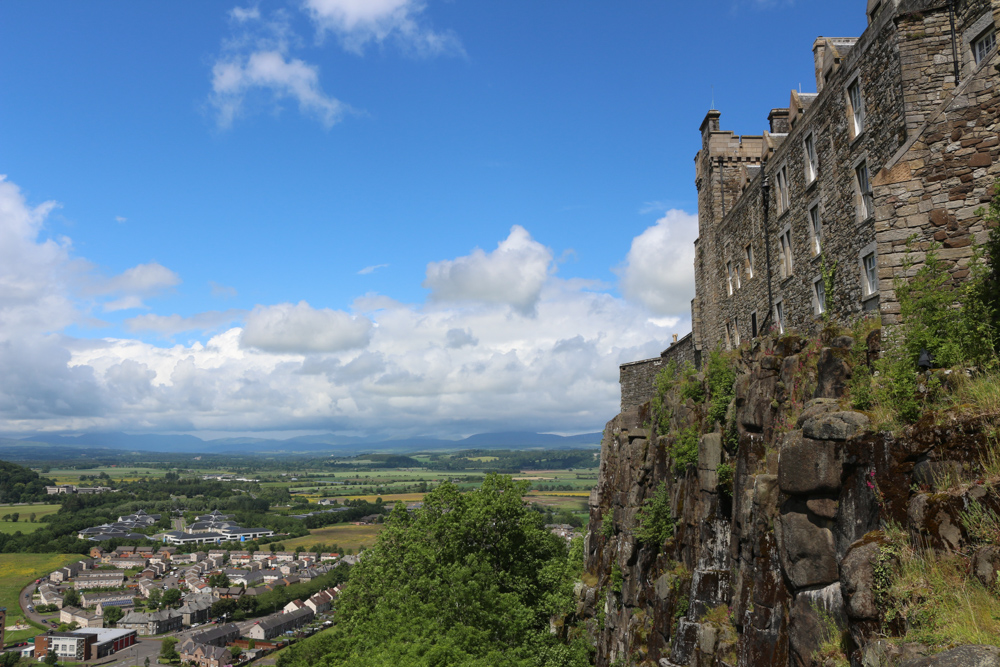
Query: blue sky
363, 216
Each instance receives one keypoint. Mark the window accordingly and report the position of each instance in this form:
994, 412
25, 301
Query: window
753, 324
729, 282
782, 180
785, 257
779, 315
819, 296
812, 160
816, 229
866, 202
736, 331
870, 271
984, 45
749, 255
857, 108
729, 335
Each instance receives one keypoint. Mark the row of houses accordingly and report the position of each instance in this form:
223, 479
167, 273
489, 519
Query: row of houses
70, 488
81, 644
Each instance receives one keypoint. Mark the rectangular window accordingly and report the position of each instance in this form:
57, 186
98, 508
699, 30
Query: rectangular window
736, 331
753, 324
866, 202
729, 281
857, 108
783, 198
819, 294
983, 46
749, 254
812, 160
816, 228
729, 335
871, 273
785, 257
779, 315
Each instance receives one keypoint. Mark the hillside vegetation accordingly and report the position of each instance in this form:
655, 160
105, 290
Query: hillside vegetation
468, 580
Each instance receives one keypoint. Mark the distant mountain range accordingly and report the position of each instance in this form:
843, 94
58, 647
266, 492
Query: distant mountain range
308, 444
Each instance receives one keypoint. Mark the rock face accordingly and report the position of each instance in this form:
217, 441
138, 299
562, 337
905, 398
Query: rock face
762, 572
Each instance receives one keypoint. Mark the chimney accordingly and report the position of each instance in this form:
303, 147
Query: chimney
675, 339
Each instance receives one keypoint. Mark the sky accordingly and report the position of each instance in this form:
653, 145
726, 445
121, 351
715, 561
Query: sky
385, 218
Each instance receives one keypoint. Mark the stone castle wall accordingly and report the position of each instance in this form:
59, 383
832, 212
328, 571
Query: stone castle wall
637, 378
930, 151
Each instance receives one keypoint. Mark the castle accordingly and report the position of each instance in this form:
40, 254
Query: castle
812, 219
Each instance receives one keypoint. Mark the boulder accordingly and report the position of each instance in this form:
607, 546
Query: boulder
664, 586
816, 408
963, 656
857, 572
842, 342
807, 551
824, 507
808, 466
832, 374
937, 517
835, 426
986, 566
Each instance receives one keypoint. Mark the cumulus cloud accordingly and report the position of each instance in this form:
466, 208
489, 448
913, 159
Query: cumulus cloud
659, 269
356, 23
302, 328
173, 324
513, 274
446, 367
256, 67
34, 272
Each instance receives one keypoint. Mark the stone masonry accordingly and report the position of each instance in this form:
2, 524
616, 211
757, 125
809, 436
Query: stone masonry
926, 144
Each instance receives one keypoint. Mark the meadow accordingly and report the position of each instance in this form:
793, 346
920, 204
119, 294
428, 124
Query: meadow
345, 536
23, 523
16, 571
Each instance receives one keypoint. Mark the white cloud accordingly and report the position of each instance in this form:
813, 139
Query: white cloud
513, 274
446, 367
141, 279
244, 14
282, 77
659, 269
173, 324
120, 219
371, 269
34, 272
356, 23
222, 290
301, 328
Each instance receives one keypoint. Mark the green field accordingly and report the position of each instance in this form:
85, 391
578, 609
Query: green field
17, 571
23, 523
346, 536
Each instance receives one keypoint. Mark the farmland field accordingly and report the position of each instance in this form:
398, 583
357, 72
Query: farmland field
345, 536
128, 473
23, 523
17, 570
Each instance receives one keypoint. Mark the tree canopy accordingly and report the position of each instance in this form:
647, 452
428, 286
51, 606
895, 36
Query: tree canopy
469, 580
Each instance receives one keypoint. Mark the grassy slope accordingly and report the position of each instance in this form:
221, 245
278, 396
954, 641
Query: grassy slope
346, 536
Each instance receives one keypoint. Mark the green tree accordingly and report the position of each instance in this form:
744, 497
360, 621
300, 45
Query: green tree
71, 598
112, 615
171, 597
155, 596
168, 649
471, 579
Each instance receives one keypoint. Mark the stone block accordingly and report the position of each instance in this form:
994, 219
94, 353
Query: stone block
808, 552
808, 466
835, 426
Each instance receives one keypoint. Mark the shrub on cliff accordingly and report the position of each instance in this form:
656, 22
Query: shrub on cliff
684, 450
721, 378
655, 522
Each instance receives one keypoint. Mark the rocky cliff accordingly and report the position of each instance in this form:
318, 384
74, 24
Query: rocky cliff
782, 528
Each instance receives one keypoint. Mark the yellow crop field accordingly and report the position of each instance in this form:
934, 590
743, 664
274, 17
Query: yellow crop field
563, 494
